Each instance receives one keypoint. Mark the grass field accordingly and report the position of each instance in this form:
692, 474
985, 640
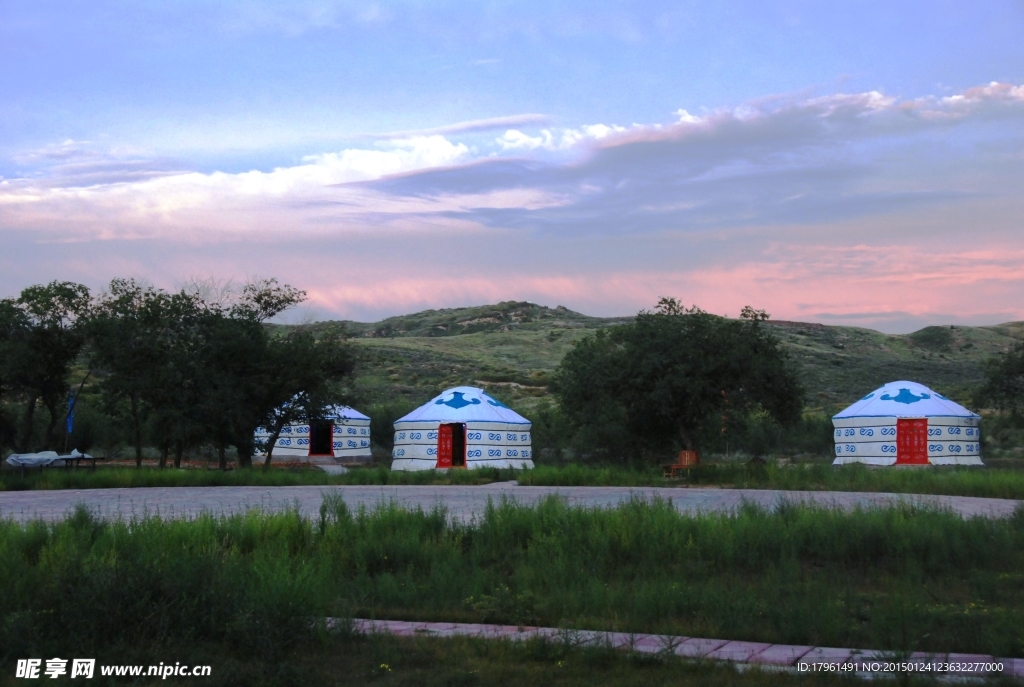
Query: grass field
991, 482
898, 579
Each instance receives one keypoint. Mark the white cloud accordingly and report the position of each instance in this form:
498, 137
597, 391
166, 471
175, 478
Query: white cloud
513, 139
773, 160
687, 118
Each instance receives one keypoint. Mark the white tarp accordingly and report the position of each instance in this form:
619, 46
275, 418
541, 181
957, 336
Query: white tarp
496, 435
865, 432
42, 459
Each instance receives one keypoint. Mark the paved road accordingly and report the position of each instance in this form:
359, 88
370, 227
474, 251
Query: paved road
868, 663
463, 503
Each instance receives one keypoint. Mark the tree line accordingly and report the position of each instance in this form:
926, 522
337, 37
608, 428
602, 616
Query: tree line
177, 370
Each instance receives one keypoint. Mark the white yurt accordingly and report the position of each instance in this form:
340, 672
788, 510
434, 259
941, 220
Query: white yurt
906, 423
463, 427
341, 436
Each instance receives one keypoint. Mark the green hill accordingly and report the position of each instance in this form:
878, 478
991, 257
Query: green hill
513, 347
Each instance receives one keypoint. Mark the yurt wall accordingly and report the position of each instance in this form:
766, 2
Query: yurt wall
349, 442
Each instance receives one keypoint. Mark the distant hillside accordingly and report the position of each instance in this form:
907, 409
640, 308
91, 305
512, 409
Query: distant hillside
513, 347
503, 317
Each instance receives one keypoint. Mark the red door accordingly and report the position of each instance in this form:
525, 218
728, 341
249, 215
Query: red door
911, 442
444, 446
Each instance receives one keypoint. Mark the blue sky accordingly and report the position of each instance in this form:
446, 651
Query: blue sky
857, 163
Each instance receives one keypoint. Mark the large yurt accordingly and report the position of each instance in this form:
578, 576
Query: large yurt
341, 436
464, 427
906, 423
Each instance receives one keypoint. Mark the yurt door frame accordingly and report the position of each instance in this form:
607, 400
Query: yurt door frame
321, 436
912, 441
451, 445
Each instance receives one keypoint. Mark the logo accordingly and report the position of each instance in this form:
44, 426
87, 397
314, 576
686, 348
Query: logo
457, 401
904, 396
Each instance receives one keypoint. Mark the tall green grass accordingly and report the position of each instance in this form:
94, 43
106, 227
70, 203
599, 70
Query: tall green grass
1005, 483
987, 482
898, 579
123, 477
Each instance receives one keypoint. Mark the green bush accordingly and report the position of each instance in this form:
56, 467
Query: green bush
382, 420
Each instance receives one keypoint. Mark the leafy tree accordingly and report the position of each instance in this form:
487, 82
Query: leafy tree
13, 333
676, 376
302, 379
1004, 383
128, 336
43, 336
251, 378
239, 364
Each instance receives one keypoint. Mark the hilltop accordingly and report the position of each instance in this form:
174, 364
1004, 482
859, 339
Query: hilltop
513, 347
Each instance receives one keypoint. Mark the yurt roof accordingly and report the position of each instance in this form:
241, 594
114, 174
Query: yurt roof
464, 404
343, 413
905, 399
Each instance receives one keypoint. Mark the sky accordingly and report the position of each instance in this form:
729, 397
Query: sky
856, 163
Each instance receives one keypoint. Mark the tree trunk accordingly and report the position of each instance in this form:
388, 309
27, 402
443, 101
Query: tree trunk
52, 409
165, 447
138, 431
222, 459
179, 449
270, 445
244, 452
26, 432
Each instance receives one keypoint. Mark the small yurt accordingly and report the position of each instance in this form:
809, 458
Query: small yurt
906, 423
462, 428
342, 436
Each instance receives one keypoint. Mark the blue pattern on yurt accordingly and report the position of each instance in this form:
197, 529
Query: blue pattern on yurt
905, 396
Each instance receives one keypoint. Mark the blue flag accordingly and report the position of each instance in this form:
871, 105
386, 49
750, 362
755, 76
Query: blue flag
71, 413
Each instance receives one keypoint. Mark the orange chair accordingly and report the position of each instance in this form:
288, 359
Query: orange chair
687, 460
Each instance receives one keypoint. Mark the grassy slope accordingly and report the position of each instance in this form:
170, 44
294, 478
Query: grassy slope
512, 348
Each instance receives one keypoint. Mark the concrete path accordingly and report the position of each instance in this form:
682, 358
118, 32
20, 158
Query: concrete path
863, 662
463, 503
